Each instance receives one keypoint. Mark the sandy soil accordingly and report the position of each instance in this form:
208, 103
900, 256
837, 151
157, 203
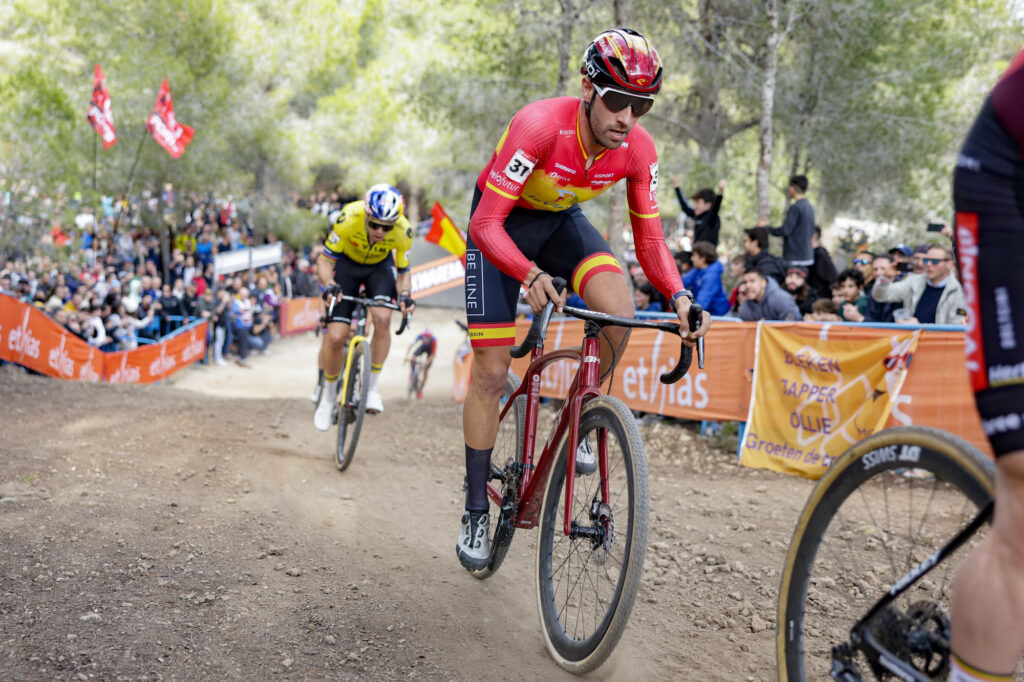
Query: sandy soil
201, 531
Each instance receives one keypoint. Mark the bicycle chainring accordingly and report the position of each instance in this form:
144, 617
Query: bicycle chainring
919, 637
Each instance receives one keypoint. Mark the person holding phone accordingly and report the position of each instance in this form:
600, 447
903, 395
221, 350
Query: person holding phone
935, 297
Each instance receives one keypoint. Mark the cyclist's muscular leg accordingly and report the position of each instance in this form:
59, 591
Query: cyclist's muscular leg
480, 410
332, 352
607, 292
380, 345
988, 595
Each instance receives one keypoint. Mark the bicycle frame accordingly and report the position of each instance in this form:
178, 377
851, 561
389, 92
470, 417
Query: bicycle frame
356, 339
586, 384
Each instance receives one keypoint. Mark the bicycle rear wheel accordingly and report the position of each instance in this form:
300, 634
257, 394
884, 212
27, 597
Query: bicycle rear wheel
352, 411
883, 507
504, 475
587, 582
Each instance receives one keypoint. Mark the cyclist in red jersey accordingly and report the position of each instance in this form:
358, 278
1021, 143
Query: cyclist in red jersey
988, 192
527, 227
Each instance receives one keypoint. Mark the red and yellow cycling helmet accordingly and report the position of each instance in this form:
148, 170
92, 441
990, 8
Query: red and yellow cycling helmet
623, 58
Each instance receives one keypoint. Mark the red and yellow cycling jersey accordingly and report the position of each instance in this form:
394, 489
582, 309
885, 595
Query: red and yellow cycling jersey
348, 236
540, 163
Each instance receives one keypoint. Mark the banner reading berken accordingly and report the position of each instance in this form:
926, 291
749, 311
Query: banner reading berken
816, 395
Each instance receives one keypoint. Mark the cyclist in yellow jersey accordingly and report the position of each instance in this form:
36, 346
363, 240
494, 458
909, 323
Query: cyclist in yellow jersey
368, 243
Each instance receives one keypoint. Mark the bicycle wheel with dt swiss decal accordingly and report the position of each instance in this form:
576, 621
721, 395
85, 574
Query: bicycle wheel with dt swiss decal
887, 505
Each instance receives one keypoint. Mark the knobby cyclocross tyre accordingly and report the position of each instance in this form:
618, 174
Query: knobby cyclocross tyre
351, 413
506, 452
888, 503
586, 585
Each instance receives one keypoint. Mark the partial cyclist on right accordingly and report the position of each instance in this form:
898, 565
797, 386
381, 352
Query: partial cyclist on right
988, 192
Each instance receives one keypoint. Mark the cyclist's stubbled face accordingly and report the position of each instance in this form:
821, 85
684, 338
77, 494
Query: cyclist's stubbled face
609, 128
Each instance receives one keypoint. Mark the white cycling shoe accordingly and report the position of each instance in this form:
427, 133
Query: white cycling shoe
586, 460
474, 547
374, 403
324, 414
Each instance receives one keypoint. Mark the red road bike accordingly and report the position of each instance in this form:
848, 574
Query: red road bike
593, 528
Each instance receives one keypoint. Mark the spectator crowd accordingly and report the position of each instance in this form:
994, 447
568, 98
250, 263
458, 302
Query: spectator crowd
110, 281
902, 284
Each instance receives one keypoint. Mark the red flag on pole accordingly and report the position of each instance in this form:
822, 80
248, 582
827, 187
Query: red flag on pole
100, 114
166, 130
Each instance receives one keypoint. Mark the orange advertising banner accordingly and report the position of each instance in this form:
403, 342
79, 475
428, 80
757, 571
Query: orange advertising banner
31, 339
157, 361
815, 395
300, 315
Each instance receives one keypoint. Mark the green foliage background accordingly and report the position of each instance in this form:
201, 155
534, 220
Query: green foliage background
288, 96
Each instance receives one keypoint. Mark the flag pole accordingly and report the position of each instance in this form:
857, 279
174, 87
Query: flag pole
131, 176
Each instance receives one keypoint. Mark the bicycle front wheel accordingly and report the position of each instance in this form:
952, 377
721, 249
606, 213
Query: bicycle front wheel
587, 581
888, 503
353, 409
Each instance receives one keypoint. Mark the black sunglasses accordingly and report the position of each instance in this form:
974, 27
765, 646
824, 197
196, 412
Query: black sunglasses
380, 226
616, 101
933, 261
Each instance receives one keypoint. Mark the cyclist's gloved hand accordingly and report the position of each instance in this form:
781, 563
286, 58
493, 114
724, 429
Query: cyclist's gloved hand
405, 302
332, 290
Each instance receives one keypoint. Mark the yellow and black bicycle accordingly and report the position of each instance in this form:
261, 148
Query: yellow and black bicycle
354, 384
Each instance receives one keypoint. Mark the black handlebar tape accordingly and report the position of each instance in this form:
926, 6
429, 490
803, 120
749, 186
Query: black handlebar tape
685, 352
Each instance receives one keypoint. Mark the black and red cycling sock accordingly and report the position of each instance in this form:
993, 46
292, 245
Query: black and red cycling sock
478, 464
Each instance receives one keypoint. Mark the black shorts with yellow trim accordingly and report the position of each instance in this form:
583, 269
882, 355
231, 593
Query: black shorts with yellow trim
378, 280
990, 240
562, 243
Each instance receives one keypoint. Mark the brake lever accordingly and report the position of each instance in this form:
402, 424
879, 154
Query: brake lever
695, 318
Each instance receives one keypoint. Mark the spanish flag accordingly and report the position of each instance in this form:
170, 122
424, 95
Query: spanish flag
444, 233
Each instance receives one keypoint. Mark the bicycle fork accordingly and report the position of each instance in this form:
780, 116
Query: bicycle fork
349, 353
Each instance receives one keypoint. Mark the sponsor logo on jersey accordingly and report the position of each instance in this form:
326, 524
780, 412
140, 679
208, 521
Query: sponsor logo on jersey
566, 131
604, 175
568, 170
498, 179
1004, 423
1003, 375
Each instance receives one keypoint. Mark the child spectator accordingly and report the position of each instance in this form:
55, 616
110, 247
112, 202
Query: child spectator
704, 211
644, 298
705, 280
854, 304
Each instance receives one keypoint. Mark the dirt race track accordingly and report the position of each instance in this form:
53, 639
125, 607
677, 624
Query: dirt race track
201, 531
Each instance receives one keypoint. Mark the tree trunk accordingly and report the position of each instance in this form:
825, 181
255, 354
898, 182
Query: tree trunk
567, 20
765, 132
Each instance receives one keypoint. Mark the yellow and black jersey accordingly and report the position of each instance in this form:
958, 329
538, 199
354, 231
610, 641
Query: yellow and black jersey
348, 237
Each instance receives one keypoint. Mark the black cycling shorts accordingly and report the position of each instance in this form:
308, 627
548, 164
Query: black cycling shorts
990, 240
379, 280
562, 243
